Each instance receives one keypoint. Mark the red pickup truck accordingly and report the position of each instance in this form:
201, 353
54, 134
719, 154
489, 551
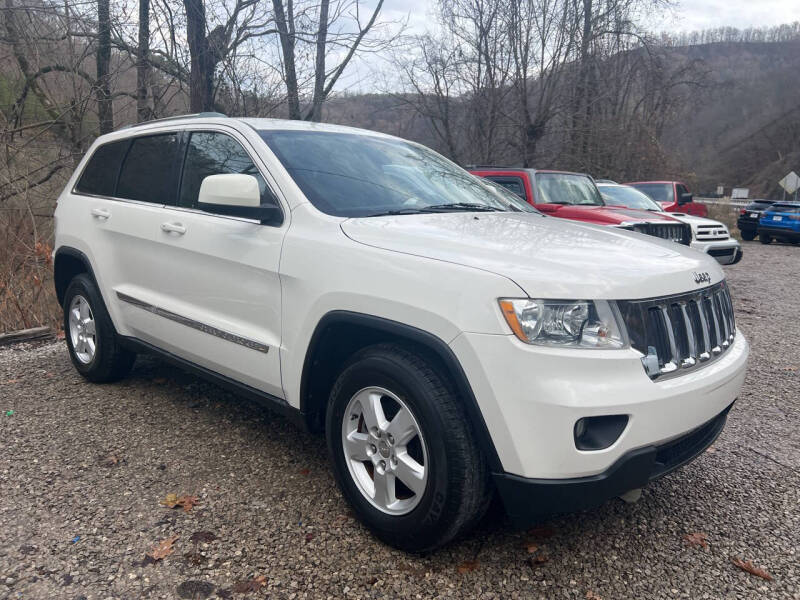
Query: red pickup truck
673, 196
575, 196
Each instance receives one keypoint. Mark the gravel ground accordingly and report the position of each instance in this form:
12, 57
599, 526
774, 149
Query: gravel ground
83, 468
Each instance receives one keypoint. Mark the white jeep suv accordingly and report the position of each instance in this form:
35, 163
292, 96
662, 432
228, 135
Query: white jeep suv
449, 340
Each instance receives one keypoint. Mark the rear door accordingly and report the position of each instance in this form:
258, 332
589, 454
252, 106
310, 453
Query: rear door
219, 293
126, 185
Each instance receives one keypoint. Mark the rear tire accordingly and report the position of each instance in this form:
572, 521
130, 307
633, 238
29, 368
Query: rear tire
90, 335
748, 236
450, 487
764, 238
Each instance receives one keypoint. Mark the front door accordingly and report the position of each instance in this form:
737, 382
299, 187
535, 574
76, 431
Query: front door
219, 300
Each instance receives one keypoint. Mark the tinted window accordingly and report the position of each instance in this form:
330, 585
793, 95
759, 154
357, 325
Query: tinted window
356, 175
785, 208
660, 192
566, 188
100, 175
512, 184
758, 205
148, 173
211, 153
682, 189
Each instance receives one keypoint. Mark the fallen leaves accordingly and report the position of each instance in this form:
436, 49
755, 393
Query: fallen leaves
163, 549
186, 502
309, 536
468, 566
531, 548
590, 595
305, 471
540, 558
747, 566
251, 585
696, 539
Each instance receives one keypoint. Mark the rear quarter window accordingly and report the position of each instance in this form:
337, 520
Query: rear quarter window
100, 175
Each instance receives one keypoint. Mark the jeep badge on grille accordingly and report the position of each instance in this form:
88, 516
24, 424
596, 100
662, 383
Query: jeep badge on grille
703, 277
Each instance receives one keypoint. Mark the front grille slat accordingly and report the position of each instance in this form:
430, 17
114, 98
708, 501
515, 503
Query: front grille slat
681, 332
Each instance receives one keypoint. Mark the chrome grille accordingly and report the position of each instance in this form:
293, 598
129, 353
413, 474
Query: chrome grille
676, 232
682, 332
710, 233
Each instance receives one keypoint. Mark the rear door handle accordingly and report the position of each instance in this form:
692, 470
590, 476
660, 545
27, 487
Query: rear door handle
101, 213
173, 228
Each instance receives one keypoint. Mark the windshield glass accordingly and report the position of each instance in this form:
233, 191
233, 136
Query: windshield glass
566, 188
622, 195
660, 192
353, 175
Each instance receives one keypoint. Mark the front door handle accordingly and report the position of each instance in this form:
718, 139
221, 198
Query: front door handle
101, 213
173, 228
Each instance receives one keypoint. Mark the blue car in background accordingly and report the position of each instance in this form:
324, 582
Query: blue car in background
780, 221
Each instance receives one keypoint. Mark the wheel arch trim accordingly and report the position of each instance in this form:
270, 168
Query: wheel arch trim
417, 336
75, 254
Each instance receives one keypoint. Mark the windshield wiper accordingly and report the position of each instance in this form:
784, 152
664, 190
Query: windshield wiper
463, 206
402, 211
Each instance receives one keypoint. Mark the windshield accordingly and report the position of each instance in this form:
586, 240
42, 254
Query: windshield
660, 192
622, 195
566, 188
354, 175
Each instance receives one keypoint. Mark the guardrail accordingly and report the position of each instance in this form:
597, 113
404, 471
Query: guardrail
724, 202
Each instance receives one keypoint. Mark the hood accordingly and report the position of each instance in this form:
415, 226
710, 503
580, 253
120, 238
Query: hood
602, 215
549, 258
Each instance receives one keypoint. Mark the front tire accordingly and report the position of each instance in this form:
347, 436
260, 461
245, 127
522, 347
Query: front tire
402, 449
90, 335
748, 236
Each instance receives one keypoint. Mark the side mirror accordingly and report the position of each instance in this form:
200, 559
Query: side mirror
685, 198
236, 195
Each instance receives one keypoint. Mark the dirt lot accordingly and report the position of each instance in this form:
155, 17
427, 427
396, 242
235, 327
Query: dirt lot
83, 468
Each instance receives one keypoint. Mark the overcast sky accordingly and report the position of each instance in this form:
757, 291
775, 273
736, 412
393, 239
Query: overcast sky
686, 15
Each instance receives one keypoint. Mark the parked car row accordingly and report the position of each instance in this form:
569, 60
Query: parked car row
578, 197
770, 220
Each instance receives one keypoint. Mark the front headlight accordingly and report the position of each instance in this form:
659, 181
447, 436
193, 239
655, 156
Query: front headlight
571, 323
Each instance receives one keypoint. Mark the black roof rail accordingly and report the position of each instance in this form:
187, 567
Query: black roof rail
173, 118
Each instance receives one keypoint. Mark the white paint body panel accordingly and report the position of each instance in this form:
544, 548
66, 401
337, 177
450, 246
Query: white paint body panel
441, 273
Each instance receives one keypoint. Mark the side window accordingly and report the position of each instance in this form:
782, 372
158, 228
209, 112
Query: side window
149, 170
211, 153
681, 189
100, 175
512, 184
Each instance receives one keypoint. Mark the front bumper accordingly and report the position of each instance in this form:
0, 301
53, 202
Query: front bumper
726, 252
528, 500
530, 398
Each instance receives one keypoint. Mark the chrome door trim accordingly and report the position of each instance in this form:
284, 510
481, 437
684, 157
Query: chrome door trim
209, 329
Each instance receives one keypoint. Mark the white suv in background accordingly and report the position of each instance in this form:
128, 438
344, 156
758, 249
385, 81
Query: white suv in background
449, 340
708, 235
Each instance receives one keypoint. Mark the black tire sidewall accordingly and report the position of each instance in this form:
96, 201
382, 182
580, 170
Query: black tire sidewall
81, 285
426, 522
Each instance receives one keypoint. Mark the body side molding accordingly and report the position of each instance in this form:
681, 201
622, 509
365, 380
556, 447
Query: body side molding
205, 328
